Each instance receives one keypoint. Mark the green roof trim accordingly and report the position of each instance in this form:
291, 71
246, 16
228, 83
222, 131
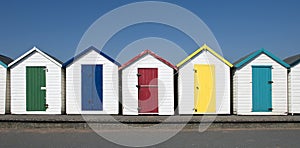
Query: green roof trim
247, 59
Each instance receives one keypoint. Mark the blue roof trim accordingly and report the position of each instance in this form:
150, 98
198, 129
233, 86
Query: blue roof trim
3, 64
87, 50
255, 54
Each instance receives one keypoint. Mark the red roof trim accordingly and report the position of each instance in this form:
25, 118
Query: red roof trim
143, 54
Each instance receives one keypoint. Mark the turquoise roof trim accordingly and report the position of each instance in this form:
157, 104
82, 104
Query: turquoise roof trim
255, 54
3, 64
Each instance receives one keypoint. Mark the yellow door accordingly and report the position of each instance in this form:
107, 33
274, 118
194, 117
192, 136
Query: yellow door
204, 88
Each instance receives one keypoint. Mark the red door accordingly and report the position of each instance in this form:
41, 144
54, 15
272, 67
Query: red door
148, 90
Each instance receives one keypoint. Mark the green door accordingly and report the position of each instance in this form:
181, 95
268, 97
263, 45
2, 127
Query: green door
35, 88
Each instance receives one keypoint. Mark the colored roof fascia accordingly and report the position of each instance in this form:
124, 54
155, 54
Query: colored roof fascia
39, 51
142, 55
3, 64
204, 47
295, 63
86, 51
257, 53
293, 60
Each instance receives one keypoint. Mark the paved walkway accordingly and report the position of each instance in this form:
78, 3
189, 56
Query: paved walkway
169, 122
148, 119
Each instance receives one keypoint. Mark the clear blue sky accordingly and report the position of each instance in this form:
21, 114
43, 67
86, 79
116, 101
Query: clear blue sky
240, 27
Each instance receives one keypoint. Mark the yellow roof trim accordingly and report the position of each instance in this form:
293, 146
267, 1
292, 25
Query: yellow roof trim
204, 47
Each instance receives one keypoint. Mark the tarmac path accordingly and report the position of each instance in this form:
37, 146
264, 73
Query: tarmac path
52, 137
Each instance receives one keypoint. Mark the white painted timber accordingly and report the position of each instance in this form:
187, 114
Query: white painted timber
165, 86
242, 93
54, 92
110, 84
186, 84
294, 89
3, 88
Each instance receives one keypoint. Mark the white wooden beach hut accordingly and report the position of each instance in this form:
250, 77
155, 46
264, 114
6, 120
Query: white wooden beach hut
294, 84
37, 84
204, 83
260, 85
92, 83
148, 85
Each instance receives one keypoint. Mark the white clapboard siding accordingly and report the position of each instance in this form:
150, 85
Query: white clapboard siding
243, 87
186, 84
165, 86
3, 80
110, 84
54, 92
294, 87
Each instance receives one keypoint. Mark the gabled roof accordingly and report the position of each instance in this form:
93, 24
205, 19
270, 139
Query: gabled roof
144, 53
86, 51
35, 49
241, 62
204, 47
4, 60
293, 60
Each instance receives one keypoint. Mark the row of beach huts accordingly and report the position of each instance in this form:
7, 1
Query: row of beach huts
203, 83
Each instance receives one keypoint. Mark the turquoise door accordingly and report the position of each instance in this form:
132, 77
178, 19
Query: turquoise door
262, 88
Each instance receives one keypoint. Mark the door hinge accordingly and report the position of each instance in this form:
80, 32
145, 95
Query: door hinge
138, 86
270, 109
138, 74
46, 106
195, 70
270, 82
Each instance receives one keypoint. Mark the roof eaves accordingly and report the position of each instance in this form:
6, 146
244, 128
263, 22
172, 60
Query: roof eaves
51, 58
204, 47
142, 54
278, 60
255, 54
293, 60
67, 63
248, 58
3, 64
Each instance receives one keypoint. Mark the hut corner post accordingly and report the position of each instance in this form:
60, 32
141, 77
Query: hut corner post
175, 81
120, 93
63, 93
8, 95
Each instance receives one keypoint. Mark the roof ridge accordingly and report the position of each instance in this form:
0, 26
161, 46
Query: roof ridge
142, 54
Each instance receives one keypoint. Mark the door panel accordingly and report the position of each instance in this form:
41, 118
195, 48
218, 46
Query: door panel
148, 90
204, 89
92, 87
261, 89
35, 88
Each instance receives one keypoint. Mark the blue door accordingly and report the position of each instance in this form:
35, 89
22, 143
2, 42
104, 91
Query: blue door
91, 87
262, 88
